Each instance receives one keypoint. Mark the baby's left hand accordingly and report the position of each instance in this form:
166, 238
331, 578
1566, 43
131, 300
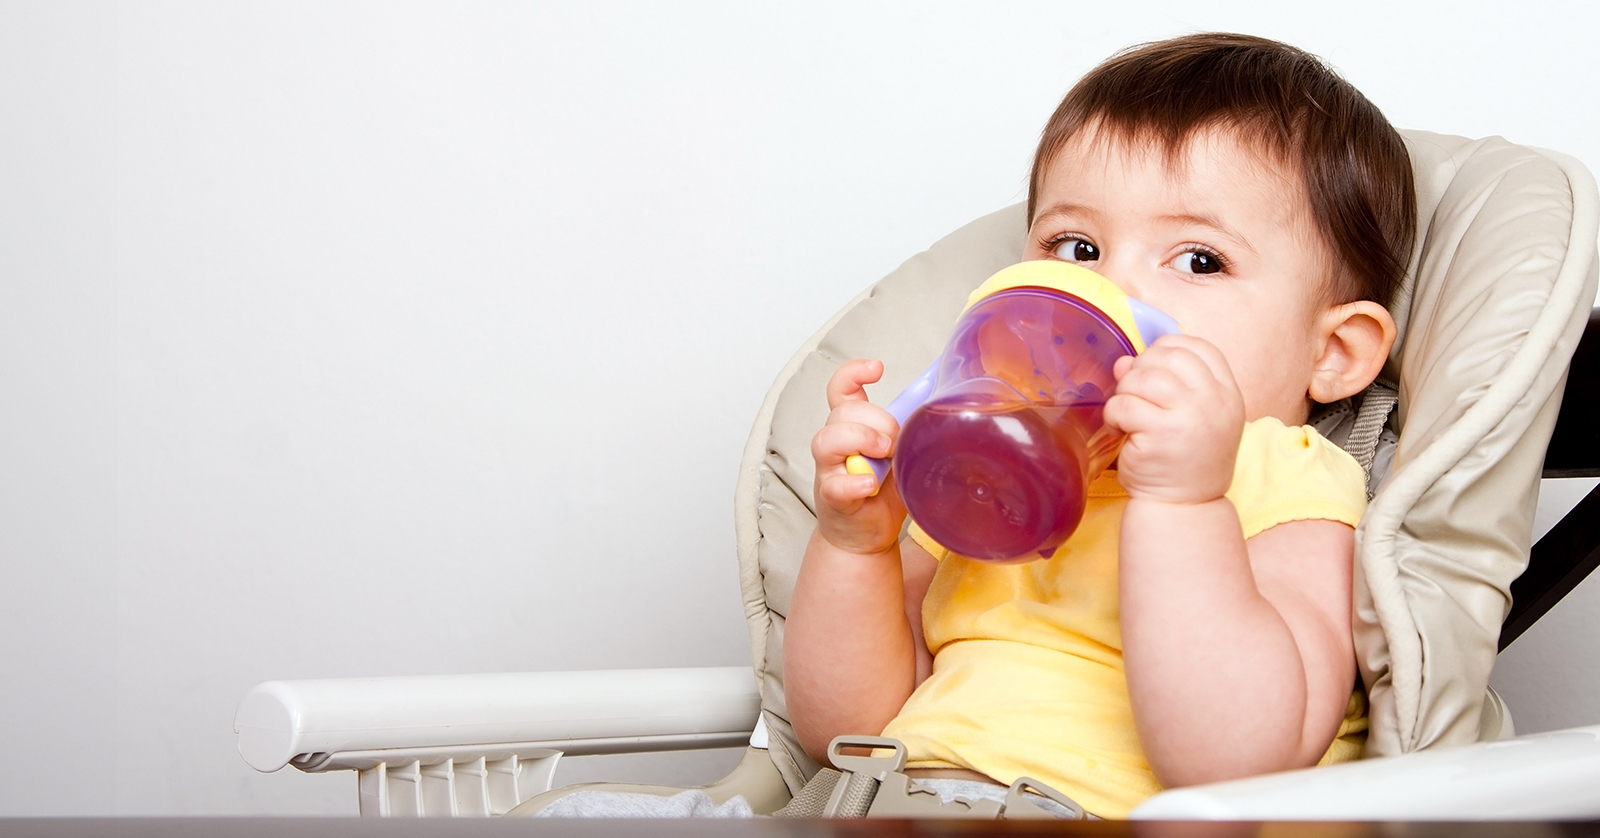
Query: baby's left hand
1183, 414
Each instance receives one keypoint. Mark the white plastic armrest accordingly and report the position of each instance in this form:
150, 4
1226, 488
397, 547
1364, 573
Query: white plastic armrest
1544, 776
355, 723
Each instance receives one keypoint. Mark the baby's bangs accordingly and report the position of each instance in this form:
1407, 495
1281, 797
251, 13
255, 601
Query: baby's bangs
1161, 95
1283, 101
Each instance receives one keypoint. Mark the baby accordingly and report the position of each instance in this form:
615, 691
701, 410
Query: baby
1196, 627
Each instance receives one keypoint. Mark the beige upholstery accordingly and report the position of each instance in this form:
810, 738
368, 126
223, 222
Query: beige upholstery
1502, 286
1504, 273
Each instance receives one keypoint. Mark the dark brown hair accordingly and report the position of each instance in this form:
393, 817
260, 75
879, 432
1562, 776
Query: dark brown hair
1355, 167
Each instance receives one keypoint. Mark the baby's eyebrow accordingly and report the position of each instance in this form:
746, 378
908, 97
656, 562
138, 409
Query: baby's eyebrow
1212, 223
1064, 209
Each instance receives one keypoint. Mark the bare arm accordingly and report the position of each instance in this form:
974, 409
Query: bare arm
918, 568
853, 649
1238, 654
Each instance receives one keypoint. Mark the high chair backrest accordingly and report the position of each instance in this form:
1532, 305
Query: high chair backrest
1500, 286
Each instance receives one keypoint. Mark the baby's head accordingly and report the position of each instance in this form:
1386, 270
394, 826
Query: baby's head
1242, 186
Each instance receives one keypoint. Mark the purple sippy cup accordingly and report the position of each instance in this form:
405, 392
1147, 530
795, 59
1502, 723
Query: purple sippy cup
1002, 435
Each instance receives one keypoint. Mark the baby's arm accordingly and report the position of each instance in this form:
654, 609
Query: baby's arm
853, 647
1238, 654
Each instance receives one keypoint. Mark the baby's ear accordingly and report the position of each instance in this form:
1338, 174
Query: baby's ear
1354, 341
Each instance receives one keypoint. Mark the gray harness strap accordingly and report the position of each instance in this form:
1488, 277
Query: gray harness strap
1377, 401
874, 787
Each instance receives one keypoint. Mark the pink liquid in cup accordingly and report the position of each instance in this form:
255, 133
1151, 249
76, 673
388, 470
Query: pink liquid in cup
996, 464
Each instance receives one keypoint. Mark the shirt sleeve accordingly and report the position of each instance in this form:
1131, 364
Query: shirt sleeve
1288, 474
926, 542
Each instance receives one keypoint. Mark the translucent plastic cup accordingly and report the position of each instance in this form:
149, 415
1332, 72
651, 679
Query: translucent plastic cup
996, 463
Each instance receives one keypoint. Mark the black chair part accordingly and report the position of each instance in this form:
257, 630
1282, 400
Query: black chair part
1566, 554
1571, 549
1574, 449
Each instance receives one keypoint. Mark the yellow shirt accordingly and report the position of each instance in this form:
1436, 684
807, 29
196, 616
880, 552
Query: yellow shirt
1027, 670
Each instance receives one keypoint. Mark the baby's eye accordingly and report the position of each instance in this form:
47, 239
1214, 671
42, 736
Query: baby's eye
1076, 250
1198, 262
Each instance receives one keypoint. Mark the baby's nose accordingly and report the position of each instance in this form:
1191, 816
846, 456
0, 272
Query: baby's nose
1125, 277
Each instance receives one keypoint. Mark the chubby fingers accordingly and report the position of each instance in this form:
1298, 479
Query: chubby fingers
1172, 373
854, 427
838, 440
1173, 368
1191, 347
850, 379
835, 443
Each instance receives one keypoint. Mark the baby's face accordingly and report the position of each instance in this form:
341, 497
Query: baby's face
1222, 240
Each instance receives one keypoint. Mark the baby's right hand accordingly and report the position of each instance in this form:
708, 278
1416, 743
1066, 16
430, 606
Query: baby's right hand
849, 515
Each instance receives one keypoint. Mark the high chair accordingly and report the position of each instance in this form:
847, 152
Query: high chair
1502, 278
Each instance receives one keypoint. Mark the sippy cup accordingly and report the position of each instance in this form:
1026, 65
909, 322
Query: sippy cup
1001, 436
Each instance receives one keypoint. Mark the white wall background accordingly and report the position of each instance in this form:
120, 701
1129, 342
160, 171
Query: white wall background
382, 338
